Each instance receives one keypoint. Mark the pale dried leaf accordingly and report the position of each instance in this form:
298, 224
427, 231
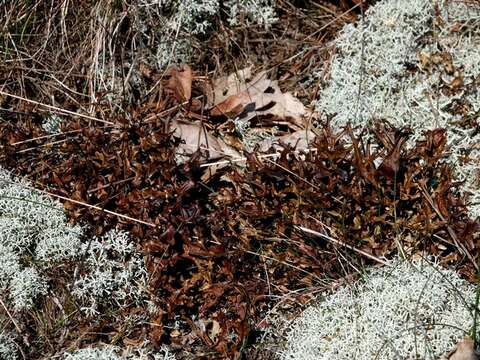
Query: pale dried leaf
180, 82
259, 97
249, 98
232, 106
465, 350
196, 137
231, 85
285, 106
214, 331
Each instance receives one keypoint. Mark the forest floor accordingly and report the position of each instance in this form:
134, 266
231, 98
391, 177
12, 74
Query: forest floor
243, 199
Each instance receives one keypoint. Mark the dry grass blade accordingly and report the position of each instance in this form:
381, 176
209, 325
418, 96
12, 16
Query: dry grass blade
259, 156
43, 145
126, 217
452, 234
320, 280
57, 109
12, 319
46, 137
338, 242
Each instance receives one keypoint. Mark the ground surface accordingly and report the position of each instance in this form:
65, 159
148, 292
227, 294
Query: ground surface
213, 175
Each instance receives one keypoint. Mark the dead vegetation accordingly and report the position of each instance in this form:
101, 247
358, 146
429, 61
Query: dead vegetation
232, 221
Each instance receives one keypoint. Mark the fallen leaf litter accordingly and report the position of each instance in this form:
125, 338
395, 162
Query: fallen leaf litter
211, 241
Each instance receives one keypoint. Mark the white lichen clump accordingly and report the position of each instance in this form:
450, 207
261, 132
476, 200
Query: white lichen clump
260, 12
34, 224
101, 353
110, 352
113, 274
8, 348
25, 287
180, 19
34, 236
52, 124
407, 310
404, 64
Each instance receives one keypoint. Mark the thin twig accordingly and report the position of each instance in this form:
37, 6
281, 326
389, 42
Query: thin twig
362, 65
445, 241
338, 242
82, 203
10, 316
108, 185
43, 145
242, 159
45, 137
282, 262
98, 208
19, 331
57, 109
332, 21
294, 174
266, 158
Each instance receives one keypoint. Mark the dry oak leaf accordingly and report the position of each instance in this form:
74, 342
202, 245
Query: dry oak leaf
233, 100
227, 86
260, 96
180, 81
196, 137
465, 350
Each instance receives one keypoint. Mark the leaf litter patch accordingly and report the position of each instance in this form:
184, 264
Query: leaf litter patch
222, 245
